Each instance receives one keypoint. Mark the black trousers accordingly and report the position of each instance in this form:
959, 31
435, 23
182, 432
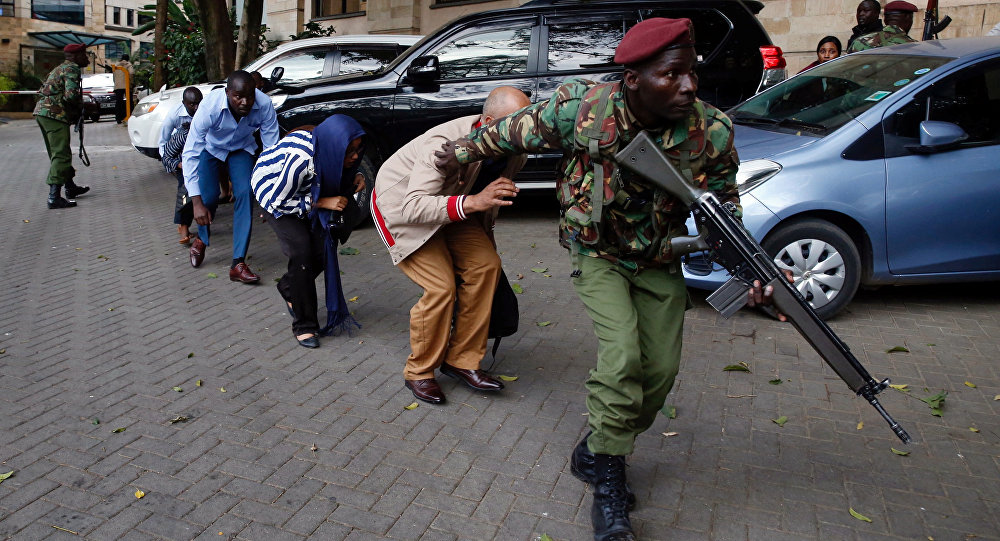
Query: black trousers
183, 208
119, 105
304, 249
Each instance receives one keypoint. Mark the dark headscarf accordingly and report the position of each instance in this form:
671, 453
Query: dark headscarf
330, 141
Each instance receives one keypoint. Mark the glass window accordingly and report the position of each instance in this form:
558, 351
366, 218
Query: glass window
970, 98
584, 44
360, 61
130, 17
63, 11
831, 94
299, 65
486, 54
329, 8
6, 8
116, 17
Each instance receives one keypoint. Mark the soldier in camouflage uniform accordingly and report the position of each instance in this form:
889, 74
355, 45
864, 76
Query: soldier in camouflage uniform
59, 107
898, 21
618, 230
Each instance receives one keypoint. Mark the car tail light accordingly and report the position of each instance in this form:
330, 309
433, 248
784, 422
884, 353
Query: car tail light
772, 57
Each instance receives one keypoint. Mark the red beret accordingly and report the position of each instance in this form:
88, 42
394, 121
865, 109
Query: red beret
74, 48
651, 37
899, 5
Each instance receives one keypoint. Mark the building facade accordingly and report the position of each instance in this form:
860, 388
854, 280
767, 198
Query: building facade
32, 32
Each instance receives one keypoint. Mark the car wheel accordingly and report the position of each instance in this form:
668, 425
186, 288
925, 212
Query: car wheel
823, 260
364, 197
95, 118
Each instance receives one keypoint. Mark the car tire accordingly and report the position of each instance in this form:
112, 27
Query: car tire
823, 259
95, 118
364, 197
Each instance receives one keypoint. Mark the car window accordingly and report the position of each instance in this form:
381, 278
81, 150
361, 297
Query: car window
98, 80
299, 65
585, 44
711, 28
355, 61
970, 98
830, 95
487, 53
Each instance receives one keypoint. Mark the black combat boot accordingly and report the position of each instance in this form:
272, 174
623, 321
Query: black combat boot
609, 514
57, 201
581, 465
73, 191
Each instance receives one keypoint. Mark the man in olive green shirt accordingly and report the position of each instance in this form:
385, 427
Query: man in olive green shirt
59, 107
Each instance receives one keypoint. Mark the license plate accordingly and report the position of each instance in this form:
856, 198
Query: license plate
107, 106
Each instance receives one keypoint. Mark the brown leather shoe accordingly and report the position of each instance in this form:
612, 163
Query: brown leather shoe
241, 273
427, 390
477, 379
197, 252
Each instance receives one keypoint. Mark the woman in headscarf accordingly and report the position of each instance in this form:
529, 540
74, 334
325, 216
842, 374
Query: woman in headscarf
827, 49
304, 184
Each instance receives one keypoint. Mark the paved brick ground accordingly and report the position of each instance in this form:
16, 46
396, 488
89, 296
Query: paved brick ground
101, 316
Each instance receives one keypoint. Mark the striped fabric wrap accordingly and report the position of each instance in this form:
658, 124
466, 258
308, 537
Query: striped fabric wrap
283, 176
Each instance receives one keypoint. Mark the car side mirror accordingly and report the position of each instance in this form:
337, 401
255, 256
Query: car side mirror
938, 136
276, 75
423, 69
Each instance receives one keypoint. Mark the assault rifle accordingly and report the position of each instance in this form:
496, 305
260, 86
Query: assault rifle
931, 25
740, 254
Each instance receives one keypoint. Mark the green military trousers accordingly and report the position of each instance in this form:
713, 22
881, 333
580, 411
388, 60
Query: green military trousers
638, 318
56, 136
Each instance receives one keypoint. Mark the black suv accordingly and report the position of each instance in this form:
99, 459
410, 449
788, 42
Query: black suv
533, 47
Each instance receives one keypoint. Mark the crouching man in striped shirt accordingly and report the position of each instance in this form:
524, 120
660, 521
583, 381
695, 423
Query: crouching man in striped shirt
434, 230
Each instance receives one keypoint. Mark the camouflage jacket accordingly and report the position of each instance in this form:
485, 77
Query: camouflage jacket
889, 35
636, 221
61, 94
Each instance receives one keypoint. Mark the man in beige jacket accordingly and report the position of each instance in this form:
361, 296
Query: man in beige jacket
435, 228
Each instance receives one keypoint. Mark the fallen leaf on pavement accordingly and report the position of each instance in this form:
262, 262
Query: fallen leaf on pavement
899, 386
859, 516
669, 411
118, 430
509, 378
898, 452
222, 389
974, 429
139, 494
896, 349
412, 406
6, 475
539, 270
970, 384
670, 434
543, 323
348, 250
741, 367
178, 389
861, 424
775, 381
780, 421
198, 383
517, 288
213, 275
178, 419
353, 299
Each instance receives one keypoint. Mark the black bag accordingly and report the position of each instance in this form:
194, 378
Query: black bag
342, 221
504, 314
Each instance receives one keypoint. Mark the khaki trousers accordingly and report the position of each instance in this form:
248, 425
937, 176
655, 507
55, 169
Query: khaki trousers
463, 249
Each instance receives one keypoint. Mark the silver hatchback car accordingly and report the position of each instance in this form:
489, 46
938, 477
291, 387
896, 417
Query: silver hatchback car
881, 167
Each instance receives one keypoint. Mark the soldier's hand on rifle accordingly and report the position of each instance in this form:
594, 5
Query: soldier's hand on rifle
762, 295
492, 196
445, 159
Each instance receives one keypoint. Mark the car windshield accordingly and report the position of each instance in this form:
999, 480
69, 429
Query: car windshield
98, 80
828, 96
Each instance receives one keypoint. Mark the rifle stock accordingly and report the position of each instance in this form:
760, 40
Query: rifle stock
743, 257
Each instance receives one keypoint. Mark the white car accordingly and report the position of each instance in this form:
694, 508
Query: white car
301, 60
